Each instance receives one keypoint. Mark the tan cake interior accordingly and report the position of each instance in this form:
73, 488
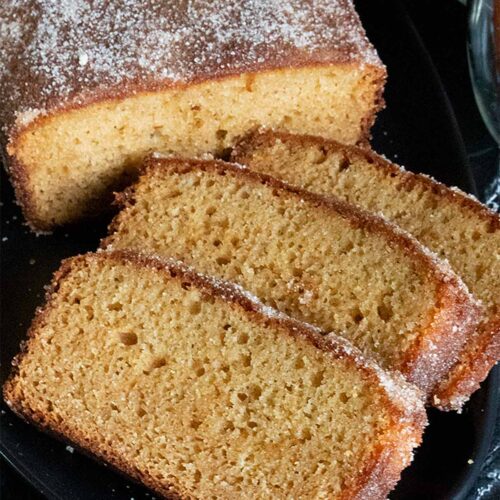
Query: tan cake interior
296, 257
471, 243
197, 392
73, 160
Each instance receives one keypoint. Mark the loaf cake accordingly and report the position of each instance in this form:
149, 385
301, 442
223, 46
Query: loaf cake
210, 394
316, 259
449, 222
88, 89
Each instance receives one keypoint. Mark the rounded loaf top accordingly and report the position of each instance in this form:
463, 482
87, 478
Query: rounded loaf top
76, 51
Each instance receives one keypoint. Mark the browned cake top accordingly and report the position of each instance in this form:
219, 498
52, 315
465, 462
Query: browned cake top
70, 52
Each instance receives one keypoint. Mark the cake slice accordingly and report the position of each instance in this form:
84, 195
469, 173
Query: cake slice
86, 92
449, 222
191, 386
317, 259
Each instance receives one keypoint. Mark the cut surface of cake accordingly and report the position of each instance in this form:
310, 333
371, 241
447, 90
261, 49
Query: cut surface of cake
452, 224
317, 259
86, 92
210, 394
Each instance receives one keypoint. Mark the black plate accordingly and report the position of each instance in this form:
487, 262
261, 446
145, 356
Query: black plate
417, 129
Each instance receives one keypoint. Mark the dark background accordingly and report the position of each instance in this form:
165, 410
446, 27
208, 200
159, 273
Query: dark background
442, 26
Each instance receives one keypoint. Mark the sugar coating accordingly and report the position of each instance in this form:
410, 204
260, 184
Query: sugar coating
55, 53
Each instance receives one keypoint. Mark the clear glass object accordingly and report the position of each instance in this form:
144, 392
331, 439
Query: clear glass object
483, 49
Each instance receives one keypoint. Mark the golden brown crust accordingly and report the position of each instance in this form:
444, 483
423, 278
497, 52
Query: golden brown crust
382, 473
379, 105
456, 314
378, 475
453, 312
482, 351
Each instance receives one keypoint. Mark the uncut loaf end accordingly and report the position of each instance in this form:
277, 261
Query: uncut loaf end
86, 93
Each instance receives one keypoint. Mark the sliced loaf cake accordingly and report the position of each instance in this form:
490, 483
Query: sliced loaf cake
317, 259
191, 386
451, 223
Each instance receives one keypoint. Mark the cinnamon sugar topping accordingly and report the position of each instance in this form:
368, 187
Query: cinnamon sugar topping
73, 51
